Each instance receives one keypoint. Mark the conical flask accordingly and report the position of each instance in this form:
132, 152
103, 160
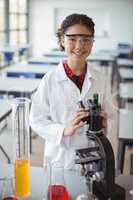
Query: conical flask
21, 160
57, 189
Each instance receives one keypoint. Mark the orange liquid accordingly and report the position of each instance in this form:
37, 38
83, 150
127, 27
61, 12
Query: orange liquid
22, 178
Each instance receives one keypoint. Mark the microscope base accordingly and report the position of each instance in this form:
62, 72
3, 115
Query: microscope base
118, 193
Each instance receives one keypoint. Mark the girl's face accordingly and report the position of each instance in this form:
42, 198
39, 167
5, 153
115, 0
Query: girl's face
77, 42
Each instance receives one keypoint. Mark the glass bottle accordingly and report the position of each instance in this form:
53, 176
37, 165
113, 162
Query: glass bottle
20, 122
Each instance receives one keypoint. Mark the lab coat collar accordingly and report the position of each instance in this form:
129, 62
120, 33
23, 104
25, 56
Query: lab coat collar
61, 75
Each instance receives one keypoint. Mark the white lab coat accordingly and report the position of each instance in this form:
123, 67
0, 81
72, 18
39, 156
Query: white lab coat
53, 106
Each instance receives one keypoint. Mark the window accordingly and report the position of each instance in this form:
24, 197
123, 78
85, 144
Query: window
14, 21
2, 22
18, 21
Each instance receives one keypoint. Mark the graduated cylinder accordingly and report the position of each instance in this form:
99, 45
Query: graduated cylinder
20, 122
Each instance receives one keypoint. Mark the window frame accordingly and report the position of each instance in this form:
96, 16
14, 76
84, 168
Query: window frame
8, 30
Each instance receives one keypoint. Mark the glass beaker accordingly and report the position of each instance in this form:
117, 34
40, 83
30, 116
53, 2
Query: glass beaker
20, 122
6, 189
57, 189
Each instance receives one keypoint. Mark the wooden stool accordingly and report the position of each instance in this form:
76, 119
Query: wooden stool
131, 163
122, 143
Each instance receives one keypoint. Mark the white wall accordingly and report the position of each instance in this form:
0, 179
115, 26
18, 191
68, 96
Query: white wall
43, 16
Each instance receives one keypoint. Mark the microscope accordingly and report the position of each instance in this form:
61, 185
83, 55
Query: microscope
97, 160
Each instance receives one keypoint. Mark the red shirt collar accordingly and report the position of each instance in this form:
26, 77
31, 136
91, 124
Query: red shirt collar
70, 74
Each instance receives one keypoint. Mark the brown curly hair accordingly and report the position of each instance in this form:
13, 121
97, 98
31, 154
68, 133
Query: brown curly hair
71, 20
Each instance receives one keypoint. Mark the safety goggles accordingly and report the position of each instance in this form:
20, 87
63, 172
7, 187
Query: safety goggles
84, 39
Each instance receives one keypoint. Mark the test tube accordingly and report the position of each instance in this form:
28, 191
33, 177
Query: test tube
21, 160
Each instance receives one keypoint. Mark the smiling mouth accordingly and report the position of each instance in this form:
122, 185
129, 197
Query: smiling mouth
78, 53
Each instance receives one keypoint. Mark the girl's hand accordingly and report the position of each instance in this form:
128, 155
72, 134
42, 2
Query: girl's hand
76, 122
